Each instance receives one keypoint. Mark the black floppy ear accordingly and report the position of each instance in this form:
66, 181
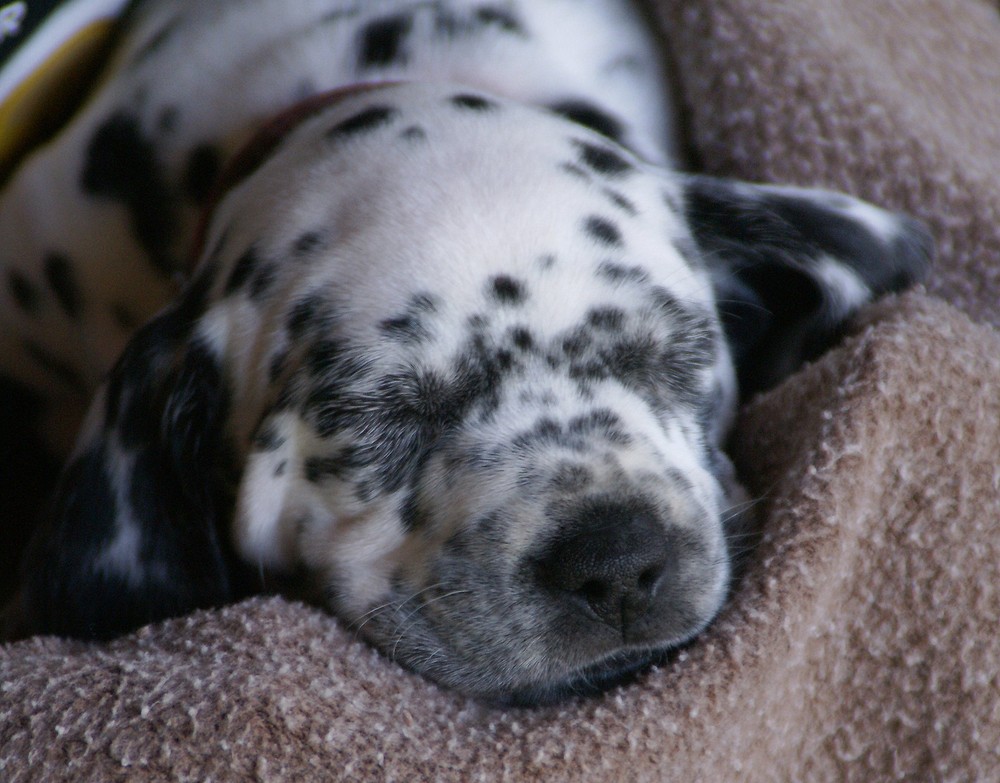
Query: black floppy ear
791, 265
134, 533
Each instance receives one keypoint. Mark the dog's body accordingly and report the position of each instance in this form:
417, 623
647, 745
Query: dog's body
458, 348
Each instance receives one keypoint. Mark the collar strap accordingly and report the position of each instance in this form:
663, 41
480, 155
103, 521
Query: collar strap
260, 147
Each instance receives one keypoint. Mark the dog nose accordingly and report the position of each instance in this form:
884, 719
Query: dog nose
611, 561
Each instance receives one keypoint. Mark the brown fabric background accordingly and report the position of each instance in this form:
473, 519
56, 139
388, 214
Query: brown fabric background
895, 101
862, 643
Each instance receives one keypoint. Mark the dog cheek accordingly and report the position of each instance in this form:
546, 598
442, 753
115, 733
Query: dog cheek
354, 557
273, 499
487, 612
285, 521
263, 526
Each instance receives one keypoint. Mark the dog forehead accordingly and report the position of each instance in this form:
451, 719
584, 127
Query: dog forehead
416, 148
419, 186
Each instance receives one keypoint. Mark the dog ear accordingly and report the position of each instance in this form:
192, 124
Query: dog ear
791, 265
135, 531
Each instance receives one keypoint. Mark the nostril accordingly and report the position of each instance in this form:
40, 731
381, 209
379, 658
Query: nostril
648, 578
594, 591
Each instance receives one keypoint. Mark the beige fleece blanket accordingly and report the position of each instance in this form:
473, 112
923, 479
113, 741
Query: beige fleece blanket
863, 642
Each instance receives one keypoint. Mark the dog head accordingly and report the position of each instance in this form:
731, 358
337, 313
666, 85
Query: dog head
467, 367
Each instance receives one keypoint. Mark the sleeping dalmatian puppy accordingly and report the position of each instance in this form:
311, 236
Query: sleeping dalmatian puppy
403, 304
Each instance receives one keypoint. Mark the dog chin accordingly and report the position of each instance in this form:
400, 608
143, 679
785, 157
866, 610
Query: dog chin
621, 668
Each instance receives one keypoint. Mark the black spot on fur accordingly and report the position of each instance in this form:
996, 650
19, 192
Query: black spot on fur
488, 17
603, 230
575, 170
410, 326
327, 359
545, 430
309, 242
61, 279
590, 369
576, 342
244, 267
310, 314
202, 168
268, 439
276, 368
423, 303
603, 160
412, 516
620, 273
381, 42
121, 164
578, 434
621, 202
522, 338
606, 318
602, 422
263, 281
414, 133
405, 328
197, 409
504, 359
318, 469
371, 118
507, 290
24, 292
590, 116
501, 18
474, 103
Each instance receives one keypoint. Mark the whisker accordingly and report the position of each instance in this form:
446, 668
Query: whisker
736, 509
404, 626
398, 604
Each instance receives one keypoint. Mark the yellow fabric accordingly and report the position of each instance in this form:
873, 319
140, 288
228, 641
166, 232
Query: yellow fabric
37, 105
